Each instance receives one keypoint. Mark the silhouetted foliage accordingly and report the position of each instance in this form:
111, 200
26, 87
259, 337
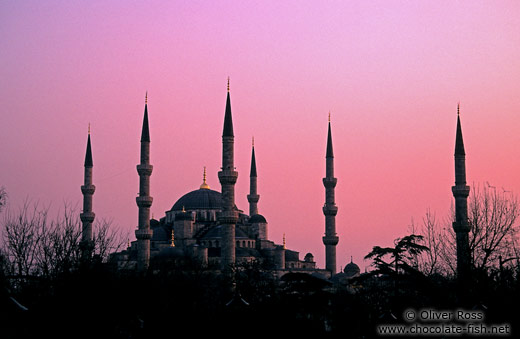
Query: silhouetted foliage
401, 255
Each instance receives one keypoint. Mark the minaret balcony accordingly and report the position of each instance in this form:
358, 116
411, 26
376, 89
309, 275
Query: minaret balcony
87, 216
330, 240
460, 191
330, 209
144, 169
253, 198
227, 177
459, 228
143, 234
228, 217
144, 201
330, 182
88, 189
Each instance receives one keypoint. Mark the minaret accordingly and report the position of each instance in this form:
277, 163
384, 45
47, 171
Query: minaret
330, 240
144, 200
87, 217
461, 193
228, 177
253, 197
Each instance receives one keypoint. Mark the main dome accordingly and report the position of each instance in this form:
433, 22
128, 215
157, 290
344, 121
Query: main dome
201, 199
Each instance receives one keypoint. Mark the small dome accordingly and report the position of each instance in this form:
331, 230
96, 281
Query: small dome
257, 219
351, 269
309, 257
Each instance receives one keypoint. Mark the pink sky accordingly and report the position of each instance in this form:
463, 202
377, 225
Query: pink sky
391, 73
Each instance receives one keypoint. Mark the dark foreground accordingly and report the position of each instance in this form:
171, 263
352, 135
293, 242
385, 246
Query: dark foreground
97, 302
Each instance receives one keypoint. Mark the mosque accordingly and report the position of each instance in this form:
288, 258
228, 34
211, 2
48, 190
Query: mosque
205, 226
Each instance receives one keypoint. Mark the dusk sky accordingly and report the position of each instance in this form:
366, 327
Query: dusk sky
390, 72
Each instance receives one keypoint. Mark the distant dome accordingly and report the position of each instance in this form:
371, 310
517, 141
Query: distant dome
201, 199
309, 257
351, 269
257, 218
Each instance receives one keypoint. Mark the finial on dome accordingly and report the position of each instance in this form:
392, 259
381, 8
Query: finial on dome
284, 241
253, 141
228, 84
204, 184
173, 240
146, 98
89, 128
329, 116
458, 108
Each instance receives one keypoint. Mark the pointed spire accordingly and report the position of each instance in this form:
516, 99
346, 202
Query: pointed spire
459, 143
253, 161
228, 121
88, 155
204, 184
330, 153
145, 134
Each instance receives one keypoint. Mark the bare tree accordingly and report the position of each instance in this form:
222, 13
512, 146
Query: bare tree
21, 235
433, 237
3, 198
36, 245
108, 239
58, 249
492, 216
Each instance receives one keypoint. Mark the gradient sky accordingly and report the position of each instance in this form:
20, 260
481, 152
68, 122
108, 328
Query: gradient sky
390, 72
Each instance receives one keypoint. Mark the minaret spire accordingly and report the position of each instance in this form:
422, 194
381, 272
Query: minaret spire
460, 193
228, 177
253, 196
87, 216
330, 240
228, 120
144, 200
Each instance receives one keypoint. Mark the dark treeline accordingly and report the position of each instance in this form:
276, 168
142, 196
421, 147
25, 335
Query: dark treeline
97, 301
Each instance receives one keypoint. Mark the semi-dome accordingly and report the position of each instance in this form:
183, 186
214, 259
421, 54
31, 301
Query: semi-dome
201, 199
257, 218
